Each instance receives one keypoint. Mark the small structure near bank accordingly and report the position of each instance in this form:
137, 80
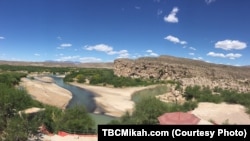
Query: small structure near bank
178, 118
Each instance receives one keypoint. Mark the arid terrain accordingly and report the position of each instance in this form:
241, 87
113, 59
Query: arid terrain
116, 101
46, 91
186, 71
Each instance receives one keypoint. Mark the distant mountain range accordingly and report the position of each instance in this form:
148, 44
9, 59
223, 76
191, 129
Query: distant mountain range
51, 63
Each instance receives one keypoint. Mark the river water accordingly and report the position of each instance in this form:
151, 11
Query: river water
85, 98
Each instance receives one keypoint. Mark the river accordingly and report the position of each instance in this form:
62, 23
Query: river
85, 98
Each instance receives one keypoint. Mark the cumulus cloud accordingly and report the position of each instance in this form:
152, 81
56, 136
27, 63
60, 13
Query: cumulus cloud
175, 40
230, 45
65, 45
171, 18
1, 37
233, 56
213, 54
36, 54
151, 53
209, 1
123, 55
108, 50
221, 55
100, 47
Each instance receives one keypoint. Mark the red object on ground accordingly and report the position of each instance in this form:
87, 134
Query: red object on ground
178, 118
61, 133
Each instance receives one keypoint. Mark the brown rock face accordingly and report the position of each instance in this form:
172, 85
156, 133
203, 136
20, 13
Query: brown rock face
186, 71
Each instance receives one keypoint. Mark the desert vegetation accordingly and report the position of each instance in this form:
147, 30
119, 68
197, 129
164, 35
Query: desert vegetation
106, 77
14, 98
14, 126
148, 107
37, 69
217, 95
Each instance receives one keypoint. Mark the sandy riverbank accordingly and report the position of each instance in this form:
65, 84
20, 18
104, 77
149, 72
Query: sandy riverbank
222, 113
43, 89
116, 101
113, 101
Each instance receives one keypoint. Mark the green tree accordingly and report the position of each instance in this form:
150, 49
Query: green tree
21, 127
148, 109
80, 78
75, 119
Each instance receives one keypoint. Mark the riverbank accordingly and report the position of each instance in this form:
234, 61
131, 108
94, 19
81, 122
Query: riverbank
112, 101
222, 113
44, 90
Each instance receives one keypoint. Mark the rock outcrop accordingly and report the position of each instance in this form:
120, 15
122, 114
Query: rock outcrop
186, 71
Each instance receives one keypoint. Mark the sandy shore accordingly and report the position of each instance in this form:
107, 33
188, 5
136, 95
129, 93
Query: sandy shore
44, 90
222, 113
114, 101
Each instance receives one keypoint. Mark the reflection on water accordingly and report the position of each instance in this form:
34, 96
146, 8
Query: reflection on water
85, 98
80, 96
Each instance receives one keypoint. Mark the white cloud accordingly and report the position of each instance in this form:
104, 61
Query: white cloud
213, 54
221, 55
183, 42
117, 52
36, 54
100, 47
108, 50
78, 58
124, 55
121, 53
198, 58
209, 1
89, 59
69, 58
192, 48
175, 40
230, 45
172, 16
151, 53
233, 56
191, 53
1, 37
65, 45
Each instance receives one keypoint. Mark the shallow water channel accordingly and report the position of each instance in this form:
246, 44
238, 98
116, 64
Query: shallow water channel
85, 98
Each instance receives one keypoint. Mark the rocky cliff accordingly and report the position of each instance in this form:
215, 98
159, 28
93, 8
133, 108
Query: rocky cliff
186, 71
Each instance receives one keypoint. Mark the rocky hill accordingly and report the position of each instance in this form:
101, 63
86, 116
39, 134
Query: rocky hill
186, 71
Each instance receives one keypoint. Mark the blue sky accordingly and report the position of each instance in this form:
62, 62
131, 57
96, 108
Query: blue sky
215, 31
